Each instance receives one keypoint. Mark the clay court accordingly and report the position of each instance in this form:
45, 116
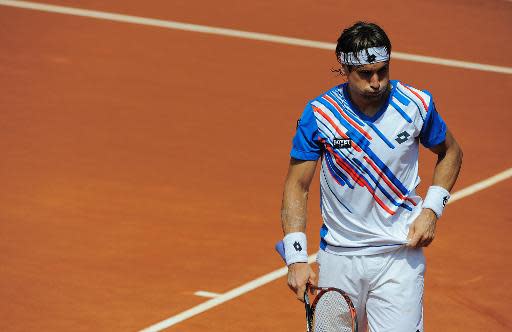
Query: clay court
142, 161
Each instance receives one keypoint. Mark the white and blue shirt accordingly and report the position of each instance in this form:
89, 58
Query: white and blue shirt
369, 165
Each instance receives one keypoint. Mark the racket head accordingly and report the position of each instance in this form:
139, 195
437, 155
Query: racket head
333, 311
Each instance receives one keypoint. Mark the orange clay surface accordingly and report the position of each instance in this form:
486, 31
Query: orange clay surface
141, 164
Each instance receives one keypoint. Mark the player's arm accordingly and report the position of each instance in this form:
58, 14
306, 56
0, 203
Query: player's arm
449, 161
294, 218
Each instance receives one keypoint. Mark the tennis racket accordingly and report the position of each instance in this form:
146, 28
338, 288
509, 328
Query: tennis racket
331, 309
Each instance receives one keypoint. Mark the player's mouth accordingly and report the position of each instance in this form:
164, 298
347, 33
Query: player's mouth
375, 94
372, 94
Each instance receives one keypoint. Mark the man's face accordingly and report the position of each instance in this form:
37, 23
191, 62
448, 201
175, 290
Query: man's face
370, 81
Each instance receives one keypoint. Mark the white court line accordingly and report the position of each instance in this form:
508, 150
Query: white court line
216, 301
240, 34
480, 185
269, 277
206, 294
236, 292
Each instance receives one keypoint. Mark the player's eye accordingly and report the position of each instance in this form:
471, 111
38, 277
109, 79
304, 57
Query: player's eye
383, 70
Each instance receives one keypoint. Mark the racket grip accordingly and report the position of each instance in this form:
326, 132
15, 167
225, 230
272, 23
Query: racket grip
280, 250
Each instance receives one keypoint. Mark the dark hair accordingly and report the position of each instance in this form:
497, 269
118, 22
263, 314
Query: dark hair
360, 36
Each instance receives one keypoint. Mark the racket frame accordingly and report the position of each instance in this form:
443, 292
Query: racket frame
310, 308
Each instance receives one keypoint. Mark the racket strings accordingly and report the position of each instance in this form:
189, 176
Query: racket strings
332, 314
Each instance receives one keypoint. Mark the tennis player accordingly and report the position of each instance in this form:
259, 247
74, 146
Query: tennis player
366, 134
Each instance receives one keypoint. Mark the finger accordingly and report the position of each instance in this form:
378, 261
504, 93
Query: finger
411, 232
411, 242
414, 241
428, 241
292, 283
300, 293
428, 237
312, 278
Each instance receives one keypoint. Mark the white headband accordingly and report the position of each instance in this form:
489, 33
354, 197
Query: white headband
365, 57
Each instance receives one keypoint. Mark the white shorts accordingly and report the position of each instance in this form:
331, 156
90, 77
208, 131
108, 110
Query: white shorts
386, 289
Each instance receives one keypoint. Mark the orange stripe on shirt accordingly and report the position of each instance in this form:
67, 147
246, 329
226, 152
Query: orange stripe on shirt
325, 116
390, 185
417, 95
346, 117
343, 164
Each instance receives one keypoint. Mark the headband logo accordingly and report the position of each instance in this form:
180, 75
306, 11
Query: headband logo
365, 56
371, 58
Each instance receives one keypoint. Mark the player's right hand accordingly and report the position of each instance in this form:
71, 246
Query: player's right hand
299, 274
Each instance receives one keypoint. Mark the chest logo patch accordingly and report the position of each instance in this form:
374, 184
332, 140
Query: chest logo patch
342, 143
402, 137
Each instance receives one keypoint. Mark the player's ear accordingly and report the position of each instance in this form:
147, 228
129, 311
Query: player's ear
344, 70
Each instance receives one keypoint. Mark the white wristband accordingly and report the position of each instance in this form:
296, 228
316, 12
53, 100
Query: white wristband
436, 199
295, 248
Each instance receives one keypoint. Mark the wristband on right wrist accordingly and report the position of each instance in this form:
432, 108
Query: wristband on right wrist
295, 248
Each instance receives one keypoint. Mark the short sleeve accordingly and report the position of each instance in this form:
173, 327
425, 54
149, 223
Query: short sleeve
433, 131
305, 145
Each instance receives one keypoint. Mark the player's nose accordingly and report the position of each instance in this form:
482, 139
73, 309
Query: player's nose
374, 81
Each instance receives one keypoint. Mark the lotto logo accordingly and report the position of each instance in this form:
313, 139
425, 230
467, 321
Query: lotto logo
402, 137
297, 246
341, 143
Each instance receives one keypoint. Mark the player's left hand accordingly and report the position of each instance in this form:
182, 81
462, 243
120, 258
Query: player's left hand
422, 230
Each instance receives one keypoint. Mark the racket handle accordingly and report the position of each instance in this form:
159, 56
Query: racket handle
309, 312
280, 250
